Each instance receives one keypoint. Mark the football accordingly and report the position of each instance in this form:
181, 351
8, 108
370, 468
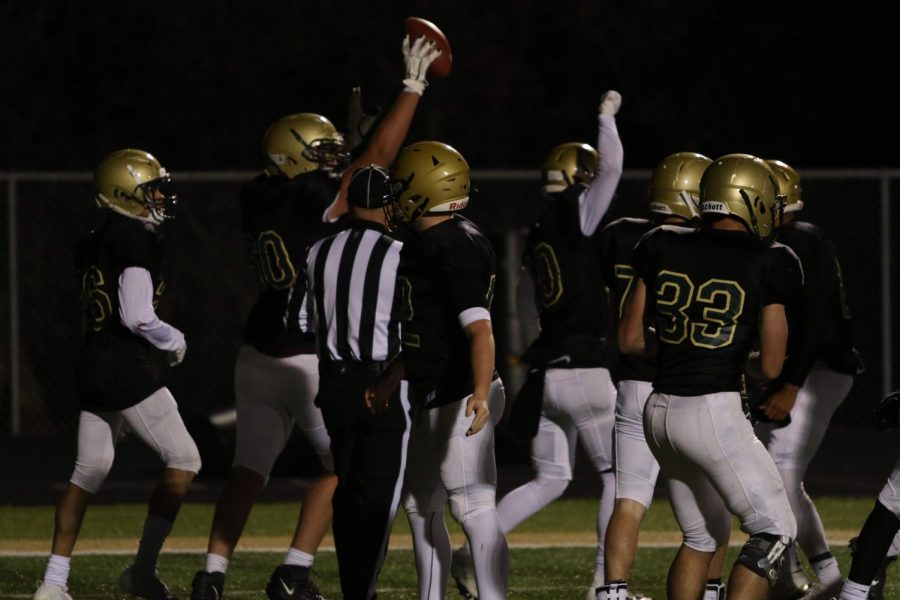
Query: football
418, 27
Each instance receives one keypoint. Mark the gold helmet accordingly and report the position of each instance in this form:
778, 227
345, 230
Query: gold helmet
675, 185
744, 187
129, 181
789, 183
429, 178
301, 143
568, 164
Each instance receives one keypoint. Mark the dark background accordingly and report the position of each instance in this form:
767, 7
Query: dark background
197, 82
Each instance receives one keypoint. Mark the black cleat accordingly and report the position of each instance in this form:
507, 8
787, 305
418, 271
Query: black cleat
207, 586
291, 582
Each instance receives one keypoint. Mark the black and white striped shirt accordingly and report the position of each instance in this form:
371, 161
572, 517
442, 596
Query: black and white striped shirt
350, 280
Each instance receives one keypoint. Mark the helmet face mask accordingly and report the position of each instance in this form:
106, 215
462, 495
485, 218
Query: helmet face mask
789, 183
743, 187
429, 178
566, 165
134, 184
304, 142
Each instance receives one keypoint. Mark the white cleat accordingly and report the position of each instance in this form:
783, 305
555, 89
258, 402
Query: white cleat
51, 591
144, 584
463, 572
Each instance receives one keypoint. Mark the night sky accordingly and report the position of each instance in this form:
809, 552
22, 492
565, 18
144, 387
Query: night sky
198, 82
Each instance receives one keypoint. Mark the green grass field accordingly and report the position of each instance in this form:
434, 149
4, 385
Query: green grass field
551, 555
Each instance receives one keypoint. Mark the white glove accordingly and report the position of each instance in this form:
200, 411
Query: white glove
174, 357
610, 103
418, 58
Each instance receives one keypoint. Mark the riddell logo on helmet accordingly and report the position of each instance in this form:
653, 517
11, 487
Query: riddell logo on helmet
458, 204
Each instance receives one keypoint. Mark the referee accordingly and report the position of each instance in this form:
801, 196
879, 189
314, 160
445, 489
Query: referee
349, 302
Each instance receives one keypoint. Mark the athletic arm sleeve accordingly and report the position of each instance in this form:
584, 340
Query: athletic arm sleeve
594, 201
469, 278
137, 314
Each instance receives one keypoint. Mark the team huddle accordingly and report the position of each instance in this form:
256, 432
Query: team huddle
709, 343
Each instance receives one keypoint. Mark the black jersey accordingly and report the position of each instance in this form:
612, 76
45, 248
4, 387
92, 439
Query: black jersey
117, 369
617, 242
444, 270
564, 264
281, 218
705, 291
819, 319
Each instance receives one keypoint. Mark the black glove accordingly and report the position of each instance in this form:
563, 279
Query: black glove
886, 414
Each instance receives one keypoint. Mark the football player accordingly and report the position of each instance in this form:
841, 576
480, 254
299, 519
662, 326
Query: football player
876, 545
817, 376
573, 395
283, 211
120, 378
446, 285
674, 200
706, 293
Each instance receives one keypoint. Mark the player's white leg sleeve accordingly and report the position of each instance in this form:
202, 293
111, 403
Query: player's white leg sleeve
604, 513
97, 433
424, 498
810, 531
156, 421
490, 555
431, 546
551, 451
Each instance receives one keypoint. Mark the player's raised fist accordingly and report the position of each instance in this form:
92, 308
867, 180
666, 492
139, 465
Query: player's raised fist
610, 102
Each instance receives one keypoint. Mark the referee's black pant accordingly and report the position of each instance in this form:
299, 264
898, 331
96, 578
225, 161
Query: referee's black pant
369, 460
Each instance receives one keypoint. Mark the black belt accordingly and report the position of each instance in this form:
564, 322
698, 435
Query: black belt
342, 367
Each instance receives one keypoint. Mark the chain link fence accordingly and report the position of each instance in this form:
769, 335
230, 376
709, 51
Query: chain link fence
210, 286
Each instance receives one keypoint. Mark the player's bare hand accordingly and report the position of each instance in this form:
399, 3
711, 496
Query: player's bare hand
479, 407
778, 406
376, 400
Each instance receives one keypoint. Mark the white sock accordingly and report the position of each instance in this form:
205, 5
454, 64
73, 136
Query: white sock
57, 572
216, 563
490, 554
156, 530
854, 591
826, 570
604, 513
298, 557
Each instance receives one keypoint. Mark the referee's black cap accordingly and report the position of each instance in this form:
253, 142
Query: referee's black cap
369, 187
